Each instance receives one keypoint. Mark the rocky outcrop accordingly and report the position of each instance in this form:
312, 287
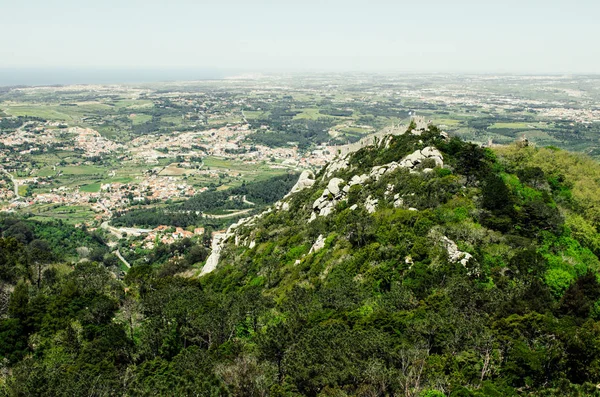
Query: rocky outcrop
334, 186
332, 195
336, 165
213, 258
358, 179
220, 239
336, 191
371, 204
454, 254
418, 156
398, 201
318, 245
306, 180
409, 162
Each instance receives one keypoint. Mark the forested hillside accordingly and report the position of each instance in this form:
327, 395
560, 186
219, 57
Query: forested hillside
419, 266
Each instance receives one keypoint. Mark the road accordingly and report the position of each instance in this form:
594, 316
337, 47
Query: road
118, 254
246, 201
111, 229
14, 182
230, 215
118, 232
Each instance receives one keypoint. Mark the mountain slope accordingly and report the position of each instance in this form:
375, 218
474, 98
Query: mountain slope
417, 266
476, 266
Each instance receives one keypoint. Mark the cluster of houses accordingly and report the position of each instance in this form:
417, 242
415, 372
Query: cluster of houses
168, 235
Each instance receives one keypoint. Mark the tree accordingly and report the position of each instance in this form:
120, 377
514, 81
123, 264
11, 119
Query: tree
273, 344
40, 255
196, 254
580, 297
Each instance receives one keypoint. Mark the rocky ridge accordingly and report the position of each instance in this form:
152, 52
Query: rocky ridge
419, 161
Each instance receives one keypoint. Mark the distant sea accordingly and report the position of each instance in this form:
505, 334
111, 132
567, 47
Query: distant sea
30, 77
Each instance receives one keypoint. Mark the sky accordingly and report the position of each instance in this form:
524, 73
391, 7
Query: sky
484, 36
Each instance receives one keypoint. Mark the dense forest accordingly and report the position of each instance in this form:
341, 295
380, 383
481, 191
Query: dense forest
286, 131
252, 195
11, 124
382, 309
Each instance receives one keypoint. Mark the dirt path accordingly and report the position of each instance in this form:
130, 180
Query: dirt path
118, 254
14, 182
230, 215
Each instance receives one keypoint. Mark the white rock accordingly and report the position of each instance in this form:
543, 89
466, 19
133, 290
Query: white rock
213, 259
305, 180
418, 156
335, 166
371, 204
326, 210
319, 244
358, 179
252, 244
438, 161
319, 201
334, 185
430, 151
415, 157
393, 166
454, 254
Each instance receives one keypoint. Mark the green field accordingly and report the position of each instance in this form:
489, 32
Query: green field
82, 170
354, 130
45, 112
45, 171
255, 114
140, 118
310, 113
91, 188
516, 125
247, 172
133, 104
23, 189
447, 122
233, 119
71, 214
57, 113
118, 180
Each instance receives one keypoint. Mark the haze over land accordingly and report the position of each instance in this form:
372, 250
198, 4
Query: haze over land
512, 36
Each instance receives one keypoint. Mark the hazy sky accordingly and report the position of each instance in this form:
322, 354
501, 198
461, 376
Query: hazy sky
526, 36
